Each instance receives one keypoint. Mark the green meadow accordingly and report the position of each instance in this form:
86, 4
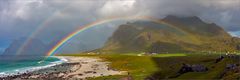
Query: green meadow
164, 66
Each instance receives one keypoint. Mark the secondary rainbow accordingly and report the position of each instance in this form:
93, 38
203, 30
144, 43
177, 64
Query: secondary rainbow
94, 24
40, 28
74, 33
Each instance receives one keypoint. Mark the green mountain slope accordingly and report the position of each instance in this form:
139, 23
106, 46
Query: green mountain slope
174, 34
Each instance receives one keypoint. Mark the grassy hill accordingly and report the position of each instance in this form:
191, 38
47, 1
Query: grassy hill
167, 66
174, 34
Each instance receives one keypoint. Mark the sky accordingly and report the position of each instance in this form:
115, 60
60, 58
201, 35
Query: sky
56, 18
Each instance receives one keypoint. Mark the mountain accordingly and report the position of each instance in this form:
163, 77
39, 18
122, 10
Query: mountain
90, 39
196, 26
36, 47
87, 40
174, 34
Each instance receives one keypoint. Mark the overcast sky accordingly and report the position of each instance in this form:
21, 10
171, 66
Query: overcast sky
20, 18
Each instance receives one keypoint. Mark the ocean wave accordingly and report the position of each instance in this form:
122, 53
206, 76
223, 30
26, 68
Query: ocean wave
32, 68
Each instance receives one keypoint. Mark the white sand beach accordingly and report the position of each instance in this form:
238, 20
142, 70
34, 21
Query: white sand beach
74, 68
89, 67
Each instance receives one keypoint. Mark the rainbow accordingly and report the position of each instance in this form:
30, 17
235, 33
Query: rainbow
94, 24
39, 29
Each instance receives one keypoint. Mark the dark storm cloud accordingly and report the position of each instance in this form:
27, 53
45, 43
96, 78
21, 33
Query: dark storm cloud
21, 17
223, 12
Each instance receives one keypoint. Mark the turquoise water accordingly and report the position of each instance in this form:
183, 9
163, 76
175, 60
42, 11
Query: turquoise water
16, 65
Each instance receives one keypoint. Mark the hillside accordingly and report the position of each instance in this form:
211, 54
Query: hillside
174, 34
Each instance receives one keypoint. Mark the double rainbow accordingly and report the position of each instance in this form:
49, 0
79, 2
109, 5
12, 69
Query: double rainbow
52, 51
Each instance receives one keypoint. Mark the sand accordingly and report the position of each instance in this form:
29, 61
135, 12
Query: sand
79, 68
89, 67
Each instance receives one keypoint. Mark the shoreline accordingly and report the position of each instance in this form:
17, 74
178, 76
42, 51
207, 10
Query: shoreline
72, 68
21, 71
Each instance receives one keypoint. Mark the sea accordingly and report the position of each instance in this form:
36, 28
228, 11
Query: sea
15, 65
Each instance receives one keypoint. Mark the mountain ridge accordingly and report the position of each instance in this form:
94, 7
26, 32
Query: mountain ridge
147, 36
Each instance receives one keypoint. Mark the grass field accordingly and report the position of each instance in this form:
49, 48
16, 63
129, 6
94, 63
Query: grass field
162, 66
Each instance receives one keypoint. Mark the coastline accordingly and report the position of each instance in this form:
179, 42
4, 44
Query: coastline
20, 71
72, 68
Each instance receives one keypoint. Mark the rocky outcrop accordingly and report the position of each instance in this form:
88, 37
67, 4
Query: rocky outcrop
192, 68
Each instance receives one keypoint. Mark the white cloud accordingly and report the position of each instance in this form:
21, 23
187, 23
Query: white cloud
21, 17
22, 9
118, 8
222, 12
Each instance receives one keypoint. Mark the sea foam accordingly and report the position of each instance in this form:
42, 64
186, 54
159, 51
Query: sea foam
31, 69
